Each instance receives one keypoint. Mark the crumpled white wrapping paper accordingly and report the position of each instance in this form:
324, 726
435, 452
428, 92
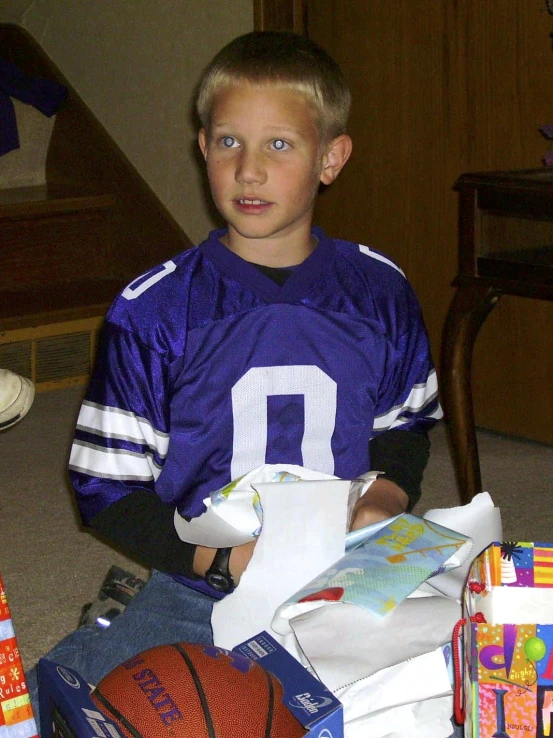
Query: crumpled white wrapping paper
289, 550
359, 658
429, 718
482, 522
330, 637
389, 673
232, 515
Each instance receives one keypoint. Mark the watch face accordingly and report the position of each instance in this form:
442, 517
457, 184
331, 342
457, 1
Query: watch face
219, 581
218, 575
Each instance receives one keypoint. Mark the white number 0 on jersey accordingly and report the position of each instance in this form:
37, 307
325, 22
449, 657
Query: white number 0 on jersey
249, 410
249, 403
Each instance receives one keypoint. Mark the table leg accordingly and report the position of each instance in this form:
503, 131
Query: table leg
470, 307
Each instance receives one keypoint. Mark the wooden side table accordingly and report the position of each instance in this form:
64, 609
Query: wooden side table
505, 248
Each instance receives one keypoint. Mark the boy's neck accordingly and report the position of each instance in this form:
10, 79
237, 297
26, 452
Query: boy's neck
271, 252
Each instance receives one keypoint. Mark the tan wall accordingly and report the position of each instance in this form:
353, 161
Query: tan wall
135, 64
12, 10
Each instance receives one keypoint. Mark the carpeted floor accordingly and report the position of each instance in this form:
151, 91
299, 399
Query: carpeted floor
51, 567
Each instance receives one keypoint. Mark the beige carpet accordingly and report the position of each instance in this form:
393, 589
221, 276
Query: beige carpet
51, 567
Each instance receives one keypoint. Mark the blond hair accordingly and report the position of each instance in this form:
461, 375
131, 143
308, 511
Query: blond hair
285, 59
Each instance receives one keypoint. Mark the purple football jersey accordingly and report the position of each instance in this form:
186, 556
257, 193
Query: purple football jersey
207, 369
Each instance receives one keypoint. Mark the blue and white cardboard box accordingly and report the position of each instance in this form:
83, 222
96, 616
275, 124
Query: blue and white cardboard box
67, 711
316, 708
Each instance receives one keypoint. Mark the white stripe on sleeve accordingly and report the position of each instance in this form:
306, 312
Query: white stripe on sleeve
108, 463
420, 396
111, 422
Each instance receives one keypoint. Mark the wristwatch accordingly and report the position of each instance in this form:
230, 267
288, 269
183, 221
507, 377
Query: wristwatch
218, 575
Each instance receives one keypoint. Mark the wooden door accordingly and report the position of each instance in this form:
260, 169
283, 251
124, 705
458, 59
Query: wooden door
442, 88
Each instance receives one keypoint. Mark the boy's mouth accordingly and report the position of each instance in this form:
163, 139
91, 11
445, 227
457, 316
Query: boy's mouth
249, 201
252, 205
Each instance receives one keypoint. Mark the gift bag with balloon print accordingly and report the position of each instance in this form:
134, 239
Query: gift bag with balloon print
504, 679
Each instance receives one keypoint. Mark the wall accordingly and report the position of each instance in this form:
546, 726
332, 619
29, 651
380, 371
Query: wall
135, 64
442, 88
12, 10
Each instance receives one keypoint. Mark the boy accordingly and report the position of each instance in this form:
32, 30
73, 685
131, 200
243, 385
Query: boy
268, 343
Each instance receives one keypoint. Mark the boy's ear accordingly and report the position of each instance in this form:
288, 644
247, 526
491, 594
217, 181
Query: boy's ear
337, 154
202, 141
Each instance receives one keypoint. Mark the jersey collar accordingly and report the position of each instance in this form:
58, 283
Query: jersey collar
307, 274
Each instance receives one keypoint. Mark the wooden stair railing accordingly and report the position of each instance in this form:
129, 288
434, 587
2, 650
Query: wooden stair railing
68, 247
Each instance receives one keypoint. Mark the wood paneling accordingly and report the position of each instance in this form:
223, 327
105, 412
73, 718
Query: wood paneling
442, 88
280, 15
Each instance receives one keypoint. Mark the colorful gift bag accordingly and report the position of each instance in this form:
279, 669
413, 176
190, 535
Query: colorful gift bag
16, 713
508, 642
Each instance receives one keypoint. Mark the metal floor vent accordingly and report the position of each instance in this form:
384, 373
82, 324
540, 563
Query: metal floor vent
51, 361
61, 357
17, 357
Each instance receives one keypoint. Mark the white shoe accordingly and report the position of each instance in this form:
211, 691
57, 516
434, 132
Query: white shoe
16, 397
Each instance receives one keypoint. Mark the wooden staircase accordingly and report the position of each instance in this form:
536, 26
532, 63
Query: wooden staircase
69, 245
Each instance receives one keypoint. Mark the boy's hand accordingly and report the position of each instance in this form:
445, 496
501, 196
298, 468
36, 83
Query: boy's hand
239, 559
384, 499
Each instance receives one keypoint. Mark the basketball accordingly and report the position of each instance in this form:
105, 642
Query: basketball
187, 690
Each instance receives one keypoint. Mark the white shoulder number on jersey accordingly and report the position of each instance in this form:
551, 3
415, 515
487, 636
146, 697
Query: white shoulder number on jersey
131, 293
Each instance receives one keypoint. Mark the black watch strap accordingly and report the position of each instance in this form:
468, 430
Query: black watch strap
218, 575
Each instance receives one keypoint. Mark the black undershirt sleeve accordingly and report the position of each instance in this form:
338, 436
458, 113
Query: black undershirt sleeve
148, 533
402, 455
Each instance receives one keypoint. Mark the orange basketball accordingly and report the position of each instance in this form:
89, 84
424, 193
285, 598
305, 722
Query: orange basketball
187, 690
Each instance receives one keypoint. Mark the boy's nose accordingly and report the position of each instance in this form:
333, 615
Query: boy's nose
250, 169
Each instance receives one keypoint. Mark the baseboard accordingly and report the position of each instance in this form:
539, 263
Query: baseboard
54, 355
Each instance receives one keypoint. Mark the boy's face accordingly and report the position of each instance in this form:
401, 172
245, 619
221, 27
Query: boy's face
265, 162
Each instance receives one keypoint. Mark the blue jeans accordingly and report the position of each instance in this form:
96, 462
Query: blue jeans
165, 611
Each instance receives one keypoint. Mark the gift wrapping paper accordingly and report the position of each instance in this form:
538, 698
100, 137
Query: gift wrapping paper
16, 713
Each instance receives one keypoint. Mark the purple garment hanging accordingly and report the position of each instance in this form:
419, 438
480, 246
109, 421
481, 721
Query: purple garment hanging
44, 94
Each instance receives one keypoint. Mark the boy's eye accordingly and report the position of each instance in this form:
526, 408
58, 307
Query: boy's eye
279, 145
228, 142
